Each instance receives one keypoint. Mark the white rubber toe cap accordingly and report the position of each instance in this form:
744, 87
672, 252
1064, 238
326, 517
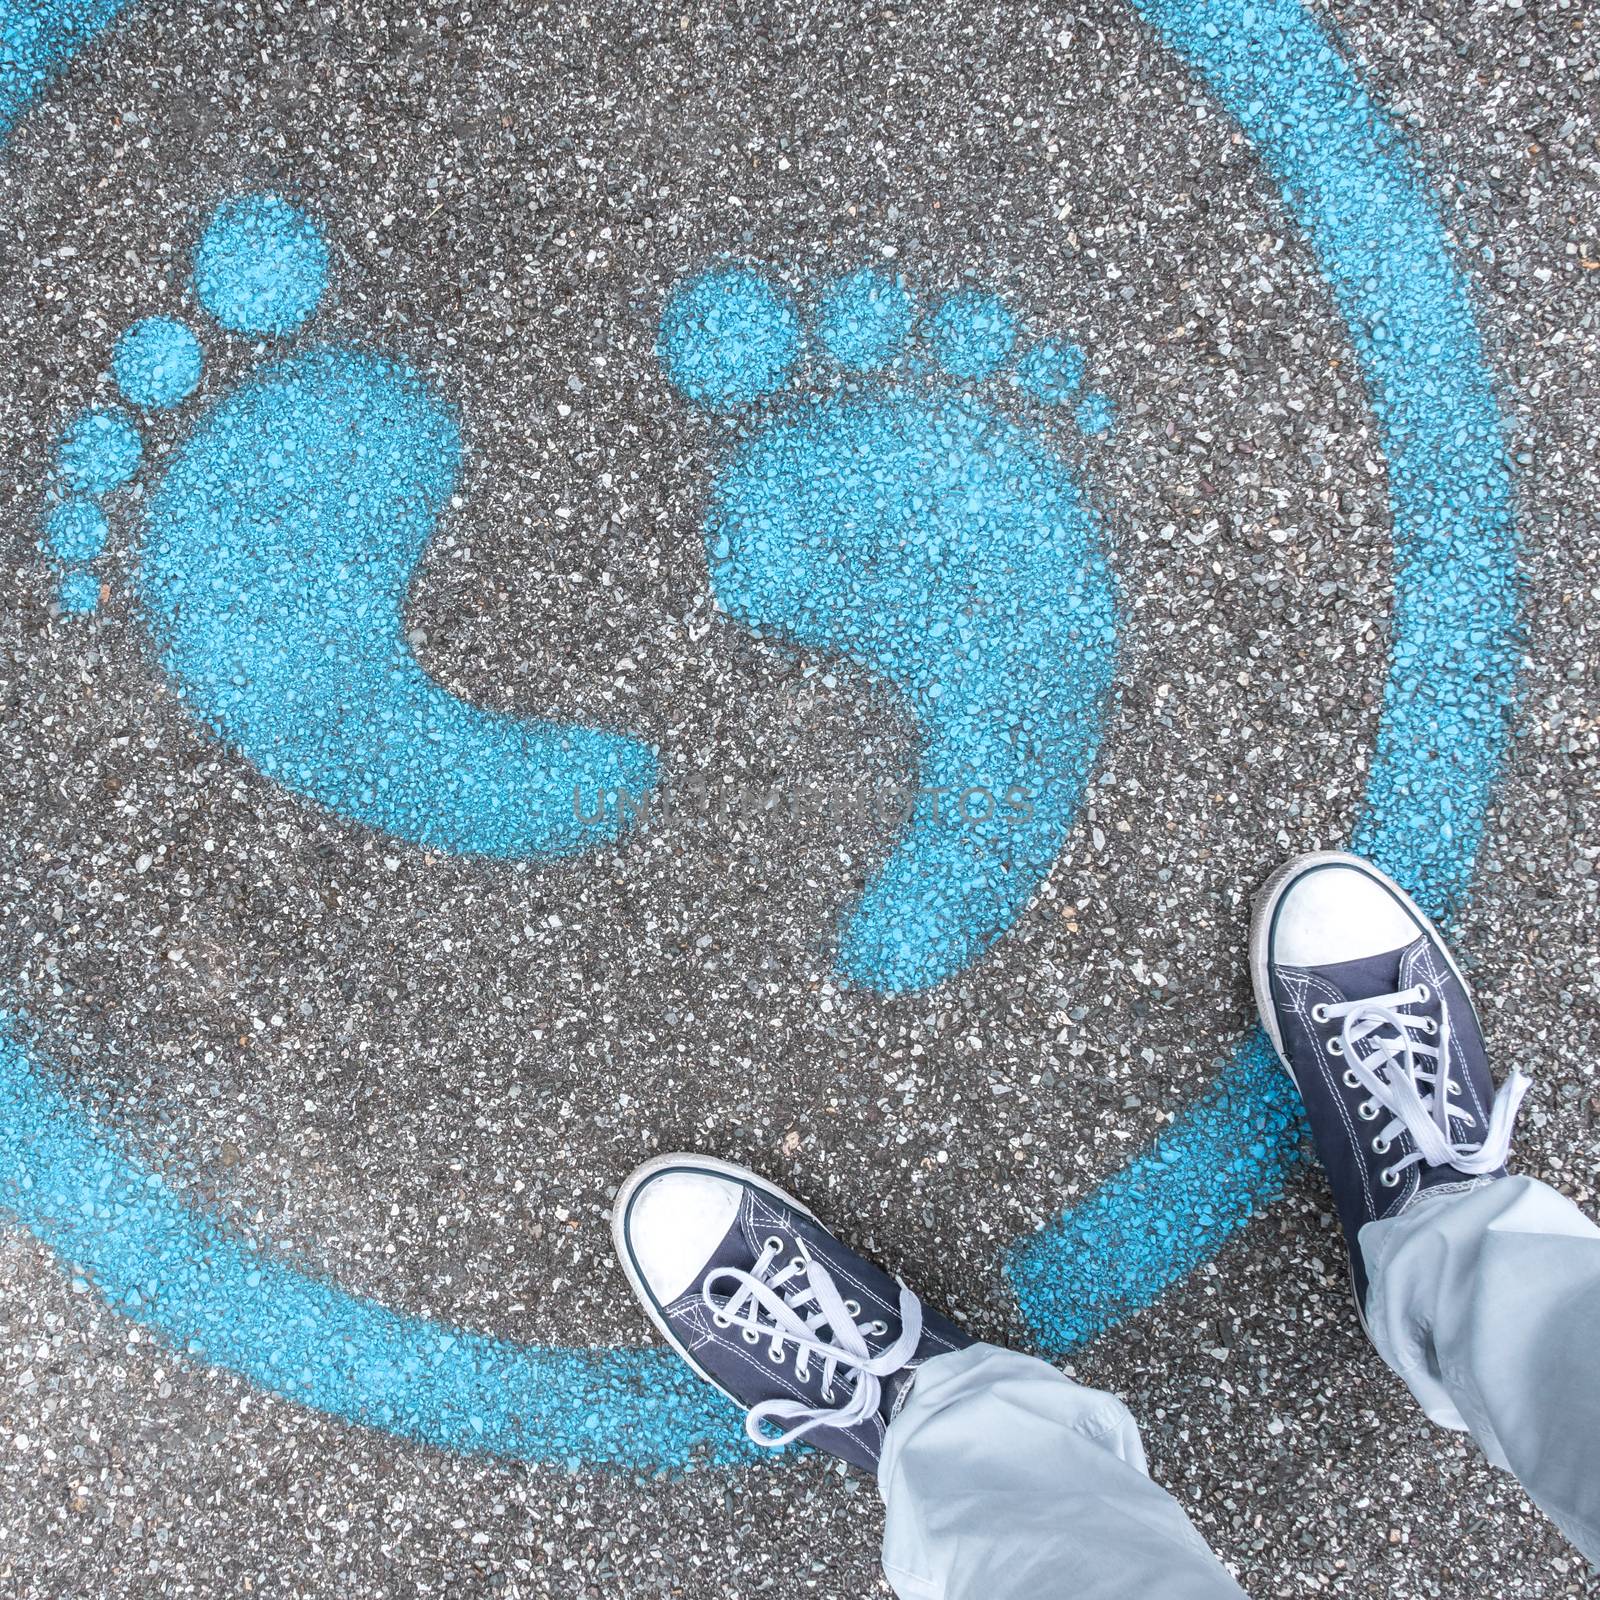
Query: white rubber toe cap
674, 1222
1339, 911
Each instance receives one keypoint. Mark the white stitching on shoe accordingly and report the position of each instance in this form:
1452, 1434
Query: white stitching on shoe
1300, 983
1437, 973
692, 1309
773, 1218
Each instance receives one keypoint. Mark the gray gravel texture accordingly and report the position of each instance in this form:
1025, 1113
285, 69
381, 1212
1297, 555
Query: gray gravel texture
428, 1075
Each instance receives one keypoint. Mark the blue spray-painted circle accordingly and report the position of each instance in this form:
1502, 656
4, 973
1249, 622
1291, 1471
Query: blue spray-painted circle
728, 337
261, 265
1051, 372
76, 531
79, 593
1376, 235
972, 333
1096, 413
99, 451
157, 363
862, 318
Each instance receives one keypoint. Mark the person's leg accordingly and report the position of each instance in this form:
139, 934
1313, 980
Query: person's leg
1003, 1479
1481, 1290
1487, 1304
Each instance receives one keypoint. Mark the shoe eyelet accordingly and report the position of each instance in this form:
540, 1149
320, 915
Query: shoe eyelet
877, 1329
1336, 1046
1351, 1081
1380, 1146
1424, 994
718, 1320
774, 1244
802, 1373
798, 1264
1389, 1178
774, 1355
1429, 1026
1367, 1110
853, 1307
750, 1336
1319, 1012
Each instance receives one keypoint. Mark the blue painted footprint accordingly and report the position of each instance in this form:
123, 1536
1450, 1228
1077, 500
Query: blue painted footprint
906, 525
277, 551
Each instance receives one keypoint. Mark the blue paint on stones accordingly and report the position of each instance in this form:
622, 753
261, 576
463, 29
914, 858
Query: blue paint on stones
1051, 371
945, 549
1375, 231
75, 530
1440, 742
1096, 413
917, 532
863, 319
99, 451
971, 334
277, 554
78, 594
261, 265
728, 337
157, 363
1172, 1207
37, 40
134, 1237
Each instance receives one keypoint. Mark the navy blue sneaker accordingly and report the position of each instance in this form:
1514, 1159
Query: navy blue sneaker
1374, 1022
762, 1301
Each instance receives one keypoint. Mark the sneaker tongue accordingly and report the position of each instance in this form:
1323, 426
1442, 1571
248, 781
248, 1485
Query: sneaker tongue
1358, 980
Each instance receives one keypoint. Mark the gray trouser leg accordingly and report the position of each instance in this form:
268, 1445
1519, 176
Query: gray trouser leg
1007, 1481
1487, 1304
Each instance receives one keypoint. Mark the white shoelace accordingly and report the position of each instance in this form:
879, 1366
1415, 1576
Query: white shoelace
1406, 1071
798, 1299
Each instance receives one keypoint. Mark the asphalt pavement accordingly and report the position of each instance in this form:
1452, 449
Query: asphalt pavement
421, 1074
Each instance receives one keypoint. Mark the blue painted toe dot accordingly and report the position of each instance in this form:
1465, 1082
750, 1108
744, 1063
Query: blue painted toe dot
728, 337
1051, 372
261, 265
1096, 413
972, 333
76, 531
79, 593
100, 450
157, 363
863, 318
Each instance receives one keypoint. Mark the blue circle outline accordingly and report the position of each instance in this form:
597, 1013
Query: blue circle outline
1444, 724
1443, 729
